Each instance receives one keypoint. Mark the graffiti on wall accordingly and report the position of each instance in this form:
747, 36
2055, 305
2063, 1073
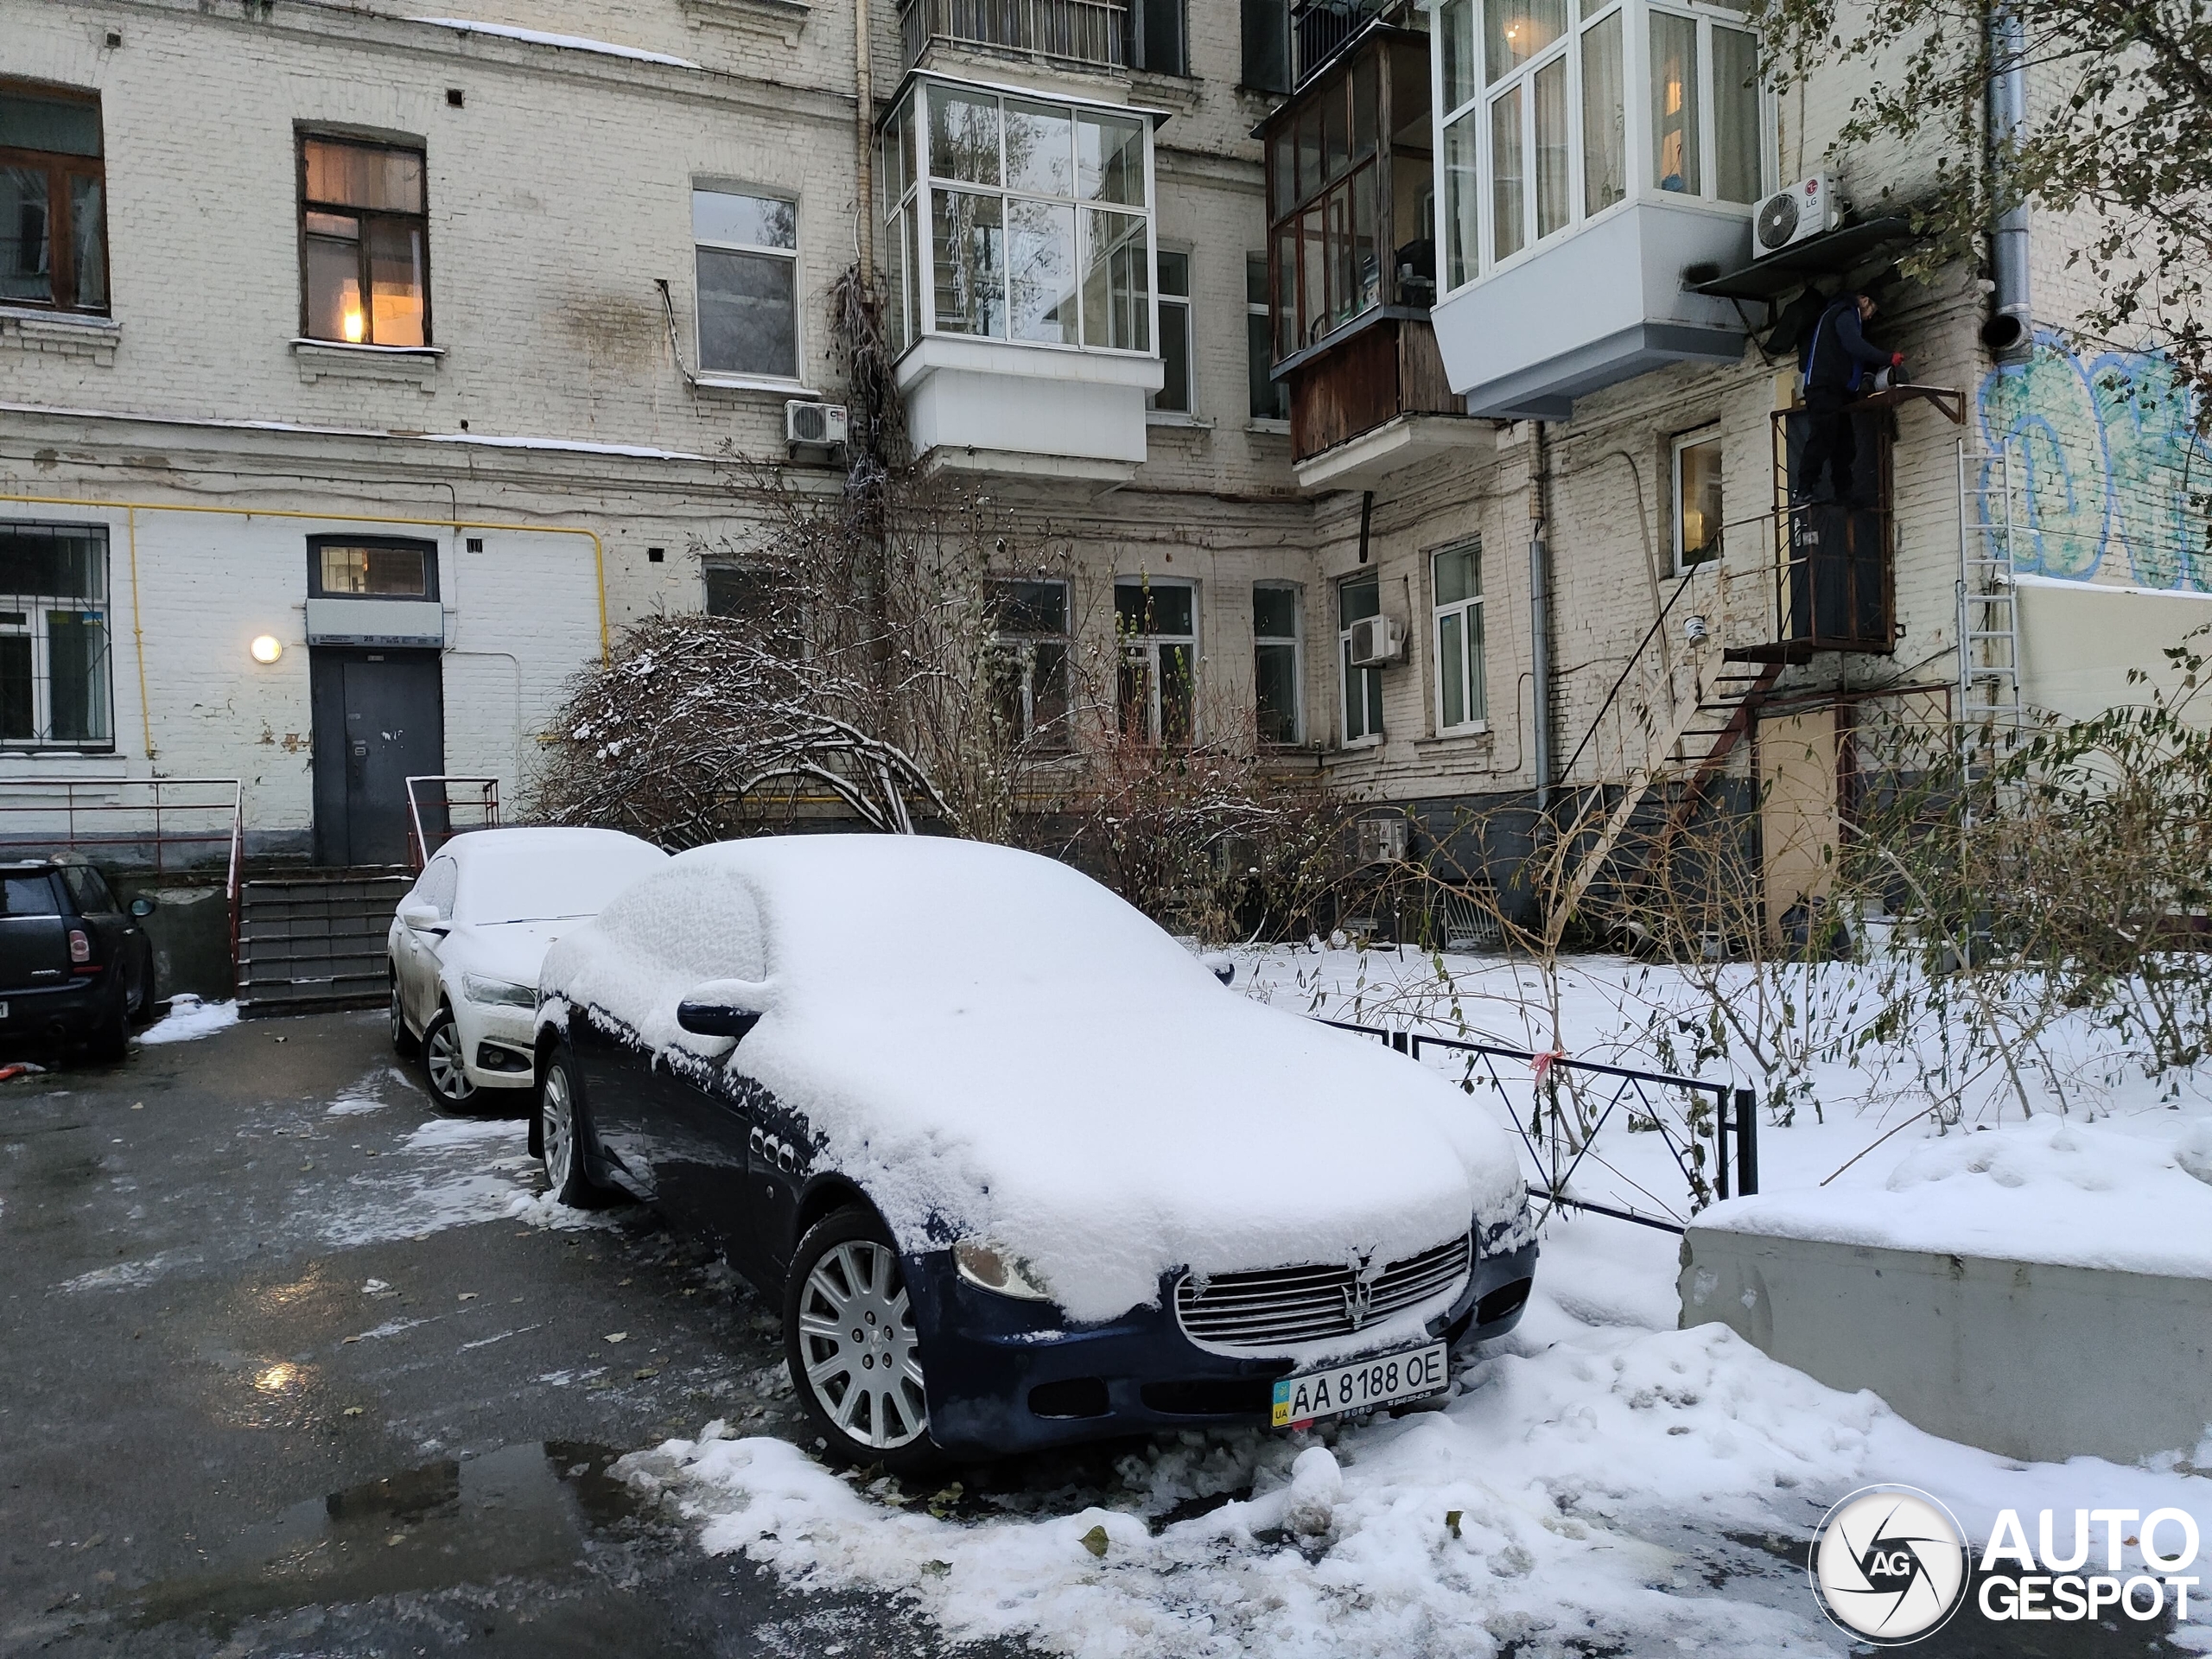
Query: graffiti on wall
2114, 478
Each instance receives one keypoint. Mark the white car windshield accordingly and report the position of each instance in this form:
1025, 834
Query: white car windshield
543, 884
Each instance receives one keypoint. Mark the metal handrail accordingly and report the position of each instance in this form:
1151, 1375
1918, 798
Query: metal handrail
1741, 1122
418, 843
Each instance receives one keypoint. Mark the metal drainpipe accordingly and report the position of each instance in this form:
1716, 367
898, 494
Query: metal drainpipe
1540, 618
2010, 332
864, 122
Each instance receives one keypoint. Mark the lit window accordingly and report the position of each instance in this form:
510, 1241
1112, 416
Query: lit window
1156, 692
53, 218
1030, 660
1461, 704
371, 568
54, 636
365, 252
747, 252
1697, 499
1175, 393
1358, 598
1277, 671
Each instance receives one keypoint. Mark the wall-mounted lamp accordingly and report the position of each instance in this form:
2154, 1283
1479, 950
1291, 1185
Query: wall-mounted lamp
267, 648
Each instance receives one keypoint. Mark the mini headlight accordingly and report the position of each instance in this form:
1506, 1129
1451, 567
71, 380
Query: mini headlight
999, 1272
498, 993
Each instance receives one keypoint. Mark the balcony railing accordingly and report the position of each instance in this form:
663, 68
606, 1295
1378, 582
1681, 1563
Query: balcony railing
1088, 34
1320, 29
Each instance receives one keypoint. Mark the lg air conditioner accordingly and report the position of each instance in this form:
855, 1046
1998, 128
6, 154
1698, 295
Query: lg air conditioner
1377, 640
807, 422
1806, 208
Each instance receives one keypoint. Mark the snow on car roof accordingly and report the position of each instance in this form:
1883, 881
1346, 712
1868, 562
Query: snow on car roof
992, 1043
535, 874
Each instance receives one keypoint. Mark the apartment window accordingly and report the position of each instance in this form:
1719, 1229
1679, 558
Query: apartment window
1697, 499
365, 249
1277, 672
53, 636
1534, 109
1175, 391
1269, 397
357, 567
1020, 220
53, 210
1328, 211
1157, 689
1357, 599
1159, 46
1030, 659
745, 248
1266, 31
1457, 573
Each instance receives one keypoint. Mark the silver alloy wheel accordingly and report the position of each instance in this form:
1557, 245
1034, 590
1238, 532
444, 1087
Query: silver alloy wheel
557, 1130
442, 1055
856, 1334
400, 1034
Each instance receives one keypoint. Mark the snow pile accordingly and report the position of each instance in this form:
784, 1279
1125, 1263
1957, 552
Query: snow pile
2051, 1189
992, 1045
539, 37
1573, 1496
190, 1017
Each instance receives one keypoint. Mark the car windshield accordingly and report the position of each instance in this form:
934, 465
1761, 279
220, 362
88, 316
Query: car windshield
538, 884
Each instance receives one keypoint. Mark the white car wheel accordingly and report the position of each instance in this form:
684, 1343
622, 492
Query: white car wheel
442, 1062
854, 1351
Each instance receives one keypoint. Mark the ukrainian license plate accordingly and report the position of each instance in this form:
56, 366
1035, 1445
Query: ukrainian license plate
1388, 1380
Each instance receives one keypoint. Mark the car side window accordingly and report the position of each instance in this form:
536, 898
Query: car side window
32, 895
439, 884
89, 890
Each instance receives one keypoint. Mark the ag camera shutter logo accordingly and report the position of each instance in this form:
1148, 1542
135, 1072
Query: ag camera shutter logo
1889, 1565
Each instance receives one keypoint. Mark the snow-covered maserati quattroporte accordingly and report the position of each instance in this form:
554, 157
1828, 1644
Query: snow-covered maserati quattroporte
1019, 1167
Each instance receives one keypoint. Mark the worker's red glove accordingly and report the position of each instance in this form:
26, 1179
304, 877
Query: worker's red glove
1897, 360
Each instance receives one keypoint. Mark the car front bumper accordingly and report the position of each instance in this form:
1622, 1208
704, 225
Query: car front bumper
1004, 1375
495, 1043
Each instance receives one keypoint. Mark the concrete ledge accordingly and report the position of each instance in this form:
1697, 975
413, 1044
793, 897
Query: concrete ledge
2023, 1359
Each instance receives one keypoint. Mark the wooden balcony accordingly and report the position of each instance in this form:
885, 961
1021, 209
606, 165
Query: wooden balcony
1370, 401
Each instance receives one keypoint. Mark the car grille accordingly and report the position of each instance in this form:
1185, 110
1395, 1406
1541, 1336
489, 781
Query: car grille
1278, 1307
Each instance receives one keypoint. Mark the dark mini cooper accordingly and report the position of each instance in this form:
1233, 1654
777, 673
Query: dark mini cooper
1020, 1170
74, 964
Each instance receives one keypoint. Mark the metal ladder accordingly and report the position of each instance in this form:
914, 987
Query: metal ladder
1990, 516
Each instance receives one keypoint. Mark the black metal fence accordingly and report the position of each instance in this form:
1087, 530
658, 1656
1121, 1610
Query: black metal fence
1562, 1107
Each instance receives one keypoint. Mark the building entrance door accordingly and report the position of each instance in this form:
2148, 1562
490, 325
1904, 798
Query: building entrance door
379, 719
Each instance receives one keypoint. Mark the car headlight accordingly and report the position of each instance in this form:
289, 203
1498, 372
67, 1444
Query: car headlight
498, 993
999, 1271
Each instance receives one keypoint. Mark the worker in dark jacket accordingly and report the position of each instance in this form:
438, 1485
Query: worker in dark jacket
1837, 362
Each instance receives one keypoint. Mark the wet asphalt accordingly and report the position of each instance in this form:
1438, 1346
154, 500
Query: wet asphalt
262, 1392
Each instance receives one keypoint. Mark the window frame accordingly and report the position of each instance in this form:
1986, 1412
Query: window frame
414, 544
1164, 302
1020, 645
37, 626
793, 254
1633, 19
1372, 735
1677, 446
1149, 644
61, 168
301, 137
1474, 688
907, 219
1142, 46
1296, 640
1260, 350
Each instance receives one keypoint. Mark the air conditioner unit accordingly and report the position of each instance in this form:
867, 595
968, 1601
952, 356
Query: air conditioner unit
805, 421
1377, 640
1806, 208
1381, 841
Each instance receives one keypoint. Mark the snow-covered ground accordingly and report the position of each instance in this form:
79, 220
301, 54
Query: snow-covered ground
190, 1017
1598, 1481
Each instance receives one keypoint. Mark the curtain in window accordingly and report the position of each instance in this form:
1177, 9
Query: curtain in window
1604, 135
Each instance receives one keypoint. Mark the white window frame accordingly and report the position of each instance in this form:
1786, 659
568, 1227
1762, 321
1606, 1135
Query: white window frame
1183, 303
35, 610
720, 186
1475, 688
1634, 21
919, 252
1296, 640
1021, 646
1681, 444
1128, 646
1345, 739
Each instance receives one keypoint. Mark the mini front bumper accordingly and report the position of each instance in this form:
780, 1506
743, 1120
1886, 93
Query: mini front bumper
1004, 1375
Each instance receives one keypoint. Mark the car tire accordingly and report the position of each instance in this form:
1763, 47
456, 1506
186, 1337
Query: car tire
563, 1137
111, 1037
844, 1301
443, 1067
141, 1006
405, 1043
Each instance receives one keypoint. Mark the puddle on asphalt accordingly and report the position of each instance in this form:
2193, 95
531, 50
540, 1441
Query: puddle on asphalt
521, 1509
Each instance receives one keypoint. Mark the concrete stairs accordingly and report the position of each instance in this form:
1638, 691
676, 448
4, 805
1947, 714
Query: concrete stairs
316, 939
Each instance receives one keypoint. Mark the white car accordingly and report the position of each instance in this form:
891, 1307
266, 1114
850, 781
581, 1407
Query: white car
1018, 1169
468, 939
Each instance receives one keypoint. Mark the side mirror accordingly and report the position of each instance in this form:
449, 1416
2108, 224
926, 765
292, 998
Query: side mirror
716, 1019
1220, 966
421, 918
142, 907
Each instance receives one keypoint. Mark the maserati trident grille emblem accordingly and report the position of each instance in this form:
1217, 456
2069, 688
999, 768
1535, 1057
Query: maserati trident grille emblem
1359, 1295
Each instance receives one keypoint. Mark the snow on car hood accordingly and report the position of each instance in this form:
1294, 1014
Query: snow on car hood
993, 1046
514, 952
